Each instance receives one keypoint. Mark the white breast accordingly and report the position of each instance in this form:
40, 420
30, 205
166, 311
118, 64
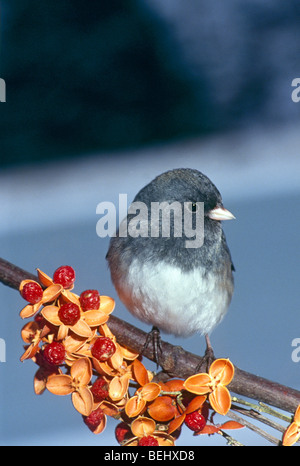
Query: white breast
177, 302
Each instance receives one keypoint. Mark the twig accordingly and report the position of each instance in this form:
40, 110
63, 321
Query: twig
259, 417
231, 414
262, 408
230, 440
11, 275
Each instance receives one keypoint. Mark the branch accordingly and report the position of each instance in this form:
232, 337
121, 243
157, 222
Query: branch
11, 275
253, 427
175, 361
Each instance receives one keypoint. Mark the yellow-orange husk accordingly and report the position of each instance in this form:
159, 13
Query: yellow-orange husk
107, 304
81, 370
135, 406
60, 384
128, 354
163, 409
150, 391
291, 435
142, 426
83, 400
220, 400
176, 423
118, 387
140, 372
195, 404
199, 384
297, 415
222, 369
173, 385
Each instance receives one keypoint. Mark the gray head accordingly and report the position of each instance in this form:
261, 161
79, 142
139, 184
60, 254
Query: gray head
182, 185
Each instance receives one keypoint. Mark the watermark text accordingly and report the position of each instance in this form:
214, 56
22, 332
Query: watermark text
2, 90
160, 219
2, 350
296, 92
296, 352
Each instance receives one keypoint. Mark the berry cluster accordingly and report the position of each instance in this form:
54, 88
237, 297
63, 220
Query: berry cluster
78, 355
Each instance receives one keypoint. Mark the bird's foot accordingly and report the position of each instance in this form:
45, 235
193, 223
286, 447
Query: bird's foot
154, 338
208, 357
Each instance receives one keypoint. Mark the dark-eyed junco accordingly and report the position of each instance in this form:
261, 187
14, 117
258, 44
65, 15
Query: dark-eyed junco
160, 275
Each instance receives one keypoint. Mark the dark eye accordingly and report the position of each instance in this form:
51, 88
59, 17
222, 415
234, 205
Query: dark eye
192, 206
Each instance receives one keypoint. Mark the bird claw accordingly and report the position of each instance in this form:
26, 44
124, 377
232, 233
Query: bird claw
154, 337
207, 359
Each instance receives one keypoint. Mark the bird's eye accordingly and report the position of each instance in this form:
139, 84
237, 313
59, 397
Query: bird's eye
193, 207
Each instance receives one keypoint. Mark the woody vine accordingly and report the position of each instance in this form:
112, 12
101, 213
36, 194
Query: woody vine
83, 351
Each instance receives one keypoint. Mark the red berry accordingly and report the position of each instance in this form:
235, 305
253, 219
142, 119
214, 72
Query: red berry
90, 299
93, 420
148, 441
123, 432
32, 292
40, 320
195, 421
65, 276
69, 313
103, 348
99, 389
54, 353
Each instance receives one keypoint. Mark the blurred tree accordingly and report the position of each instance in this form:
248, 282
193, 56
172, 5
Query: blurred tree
86, 77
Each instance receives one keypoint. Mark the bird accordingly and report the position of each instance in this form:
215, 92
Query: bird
165, 280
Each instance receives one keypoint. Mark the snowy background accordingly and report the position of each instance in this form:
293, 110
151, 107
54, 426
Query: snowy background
48, 211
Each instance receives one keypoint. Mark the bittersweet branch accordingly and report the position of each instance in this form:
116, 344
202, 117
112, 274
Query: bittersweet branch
174, 360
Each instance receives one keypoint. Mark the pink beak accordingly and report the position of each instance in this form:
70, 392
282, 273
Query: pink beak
220, 213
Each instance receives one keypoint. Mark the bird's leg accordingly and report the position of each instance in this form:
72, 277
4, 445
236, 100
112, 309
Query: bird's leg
209, 352
154, 337
208, 357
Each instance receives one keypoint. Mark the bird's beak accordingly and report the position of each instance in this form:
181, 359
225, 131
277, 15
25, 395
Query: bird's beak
220, 213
